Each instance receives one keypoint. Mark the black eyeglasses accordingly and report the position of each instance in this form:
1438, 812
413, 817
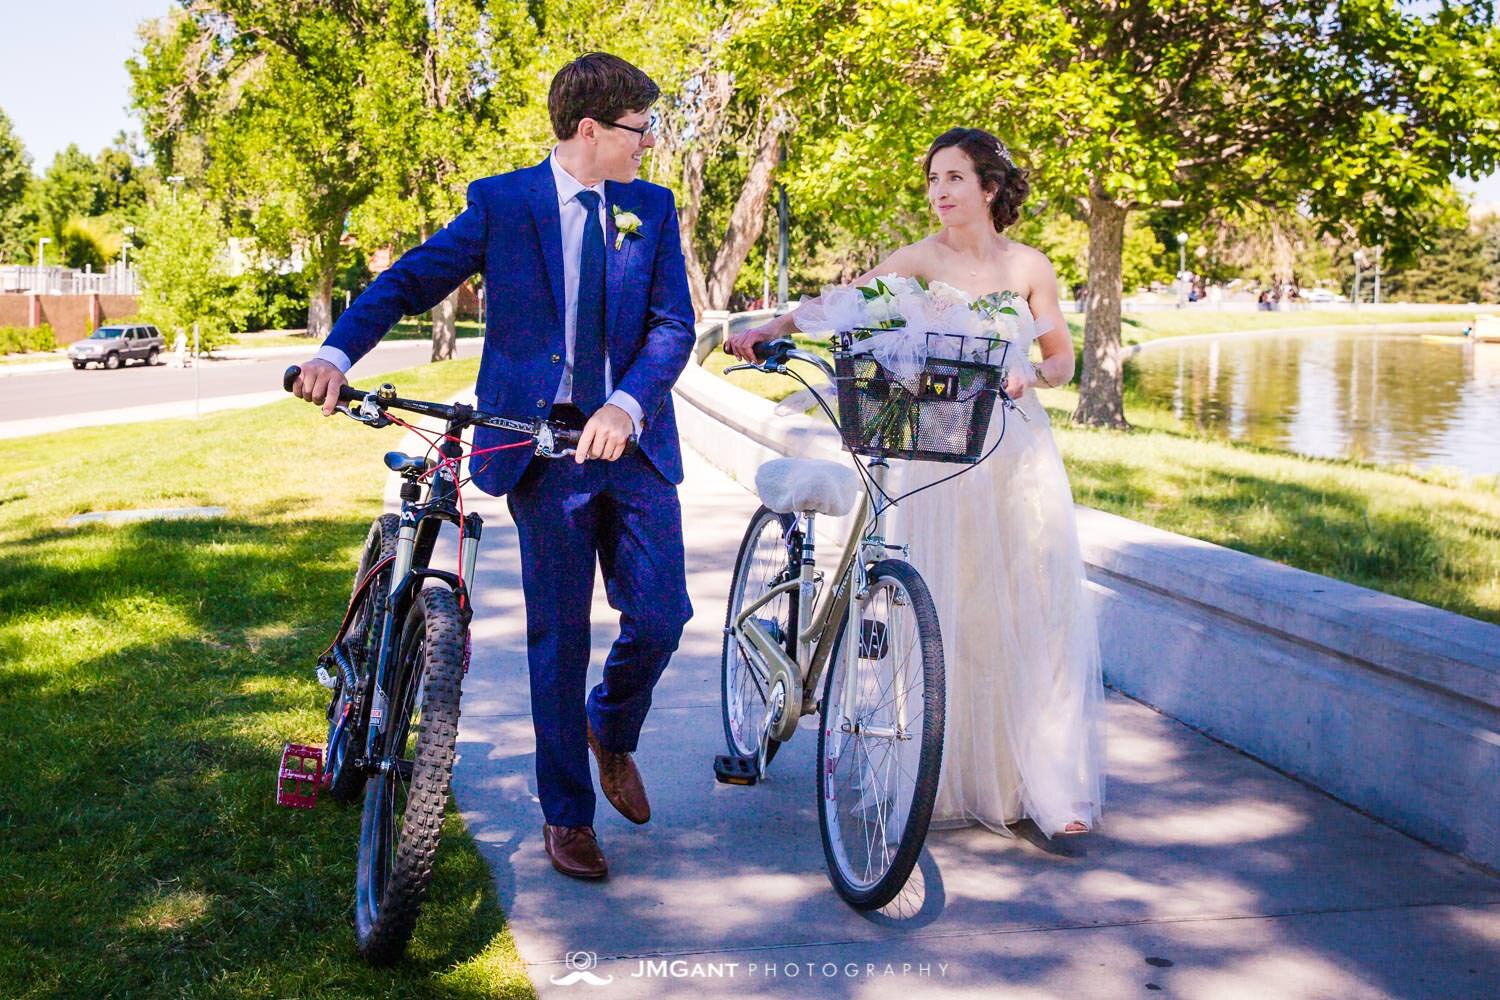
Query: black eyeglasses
653, 126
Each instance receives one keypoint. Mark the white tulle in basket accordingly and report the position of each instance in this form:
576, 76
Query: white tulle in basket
901, 322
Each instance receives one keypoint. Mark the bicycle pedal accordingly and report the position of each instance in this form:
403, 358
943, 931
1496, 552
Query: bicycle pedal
297, 782
736, 770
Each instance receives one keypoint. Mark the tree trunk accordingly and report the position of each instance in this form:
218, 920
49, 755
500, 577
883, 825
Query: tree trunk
444, 330
320, 305
1101, 383
717, 87
746, 221
692, 263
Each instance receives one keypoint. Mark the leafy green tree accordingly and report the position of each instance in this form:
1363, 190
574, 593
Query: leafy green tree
15, 183
1357, 111
1454, 266
258, 99
88, 243
442, 79
181, 264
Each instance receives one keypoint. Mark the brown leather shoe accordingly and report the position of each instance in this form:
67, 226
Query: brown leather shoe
621, 782
574, 851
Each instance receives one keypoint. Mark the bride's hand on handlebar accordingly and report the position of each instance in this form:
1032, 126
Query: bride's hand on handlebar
319, 383
742, 344
1018, 380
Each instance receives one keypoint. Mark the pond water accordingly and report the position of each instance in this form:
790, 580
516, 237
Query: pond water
1377, 397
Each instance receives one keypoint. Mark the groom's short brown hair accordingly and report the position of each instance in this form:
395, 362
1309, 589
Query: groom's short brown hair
598, 86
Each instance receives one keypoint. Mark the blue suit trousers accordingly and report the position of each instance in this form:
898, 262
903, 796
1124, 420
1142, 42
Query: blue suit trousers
625, 517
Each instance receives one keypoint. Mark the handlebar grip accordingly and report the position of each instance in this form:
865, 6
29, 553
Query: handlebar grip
347, 393
567, 437
767, 349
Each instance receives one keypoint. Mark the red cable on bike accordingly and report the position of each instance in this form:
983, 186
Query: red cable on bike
446, 461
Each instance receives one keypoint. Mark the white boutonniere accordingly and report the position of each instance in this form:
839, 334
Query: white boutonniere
626, 224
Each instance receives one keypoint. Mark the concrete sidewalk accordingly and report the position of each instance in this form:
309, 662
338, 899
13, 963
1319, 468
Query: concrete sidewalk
1212, 877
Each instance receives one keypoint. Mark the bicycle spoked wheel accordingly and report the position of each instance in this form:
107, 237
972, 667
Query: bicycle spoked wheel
346, 736
763, 562
404, 801
880, 744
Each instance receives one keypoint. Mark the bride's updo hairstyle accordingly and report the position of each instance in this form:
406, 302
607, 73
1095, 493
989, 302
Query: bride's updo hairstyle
996, 170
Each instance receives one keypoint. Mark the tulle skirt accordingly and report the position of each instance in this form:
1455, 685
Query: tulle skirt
998, 548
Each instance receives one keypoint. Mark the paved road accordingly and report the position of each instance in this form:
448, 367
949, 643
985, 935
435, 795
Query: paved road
35, 402
59, 393
1212, 877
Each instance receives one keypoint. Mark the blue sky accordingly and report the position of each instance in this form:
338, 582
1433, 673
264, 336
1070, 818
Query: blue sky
63, 77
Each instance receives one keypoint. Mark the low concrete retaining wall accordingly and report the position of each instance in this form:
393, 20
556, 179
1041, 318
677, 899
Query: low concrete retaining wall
1386, 704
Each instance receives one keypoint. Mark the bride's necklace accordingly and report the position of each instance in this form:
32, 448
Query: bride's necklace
974, 271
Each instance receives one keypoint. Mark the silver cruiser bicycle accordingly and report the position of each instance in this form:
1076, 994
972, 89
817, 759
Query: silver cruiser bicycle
861, 647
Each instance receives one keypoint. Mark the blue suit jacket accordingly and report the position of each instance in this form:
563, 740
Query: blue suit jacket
511, 232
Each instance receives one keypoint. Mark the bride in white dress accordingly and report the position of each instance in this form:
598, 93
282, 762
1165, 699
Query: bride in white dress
998, 545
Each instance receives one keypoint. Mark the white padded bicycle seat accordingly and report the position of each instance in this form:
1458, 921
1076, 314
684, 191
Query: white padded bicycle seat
794, 485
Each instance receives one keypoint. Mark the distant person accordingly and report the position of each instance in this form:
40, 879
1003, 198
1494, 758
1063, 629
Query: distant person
179, 350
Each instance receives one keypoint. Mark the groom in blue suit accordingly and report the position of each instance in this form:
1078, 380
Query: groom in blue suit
589, 322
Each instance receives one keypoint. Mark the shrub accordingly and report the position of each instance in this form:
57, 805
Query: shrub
16, 339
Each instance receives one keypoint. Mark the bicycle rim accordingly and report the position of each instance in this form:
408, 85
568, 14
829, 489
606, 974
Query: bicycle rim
361, 642
880, 743
763, 561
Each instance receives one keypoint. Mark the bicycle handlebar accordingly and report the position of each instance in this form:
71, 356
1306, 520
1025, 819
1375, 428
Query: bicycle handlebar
553, 439
774, 354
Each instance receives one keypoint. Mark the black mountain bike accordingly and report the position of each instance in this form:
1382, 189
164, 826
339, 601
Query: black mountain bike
396, 665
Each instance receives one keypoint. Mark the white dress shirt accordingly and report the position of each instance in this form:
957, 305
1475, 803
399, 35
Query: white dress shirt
571, 213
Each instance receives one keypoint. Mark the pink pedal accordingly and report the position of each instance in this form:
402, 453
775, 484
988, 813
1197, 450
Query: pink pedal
299, 776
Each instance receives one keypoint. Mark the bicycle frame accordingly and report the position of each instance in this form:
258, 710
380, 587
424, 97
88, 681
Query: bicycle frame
864, 546
421, 519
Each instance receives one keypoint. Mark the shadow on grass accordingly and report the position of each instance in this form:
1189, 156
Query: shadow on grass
148, 676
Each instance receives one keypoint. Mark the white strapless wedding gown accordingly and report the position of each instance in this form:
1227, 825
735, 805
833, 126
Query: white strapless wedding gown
998, 547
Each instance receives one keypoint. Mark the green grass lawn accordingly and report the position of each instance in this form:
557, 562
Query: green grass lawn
405, 330
1424, 535
1139, 327
148, 676
32, 357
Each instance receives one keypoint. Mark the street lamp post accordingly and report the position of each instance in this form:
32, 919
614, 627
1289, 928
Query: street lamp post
1359, 266
783, 213
41, 259
1182, 239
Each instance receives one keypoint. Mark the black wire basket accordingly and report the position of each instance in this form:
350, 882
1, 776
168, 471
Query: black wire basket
941, 414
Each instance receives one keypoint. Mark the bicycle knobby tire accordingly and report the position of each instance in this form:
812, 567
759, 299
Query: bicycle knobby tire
393, 879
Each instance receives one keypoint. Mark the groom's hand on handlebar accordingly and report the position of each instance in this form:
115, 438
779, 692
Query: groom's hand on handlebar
605, 435
319, 383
